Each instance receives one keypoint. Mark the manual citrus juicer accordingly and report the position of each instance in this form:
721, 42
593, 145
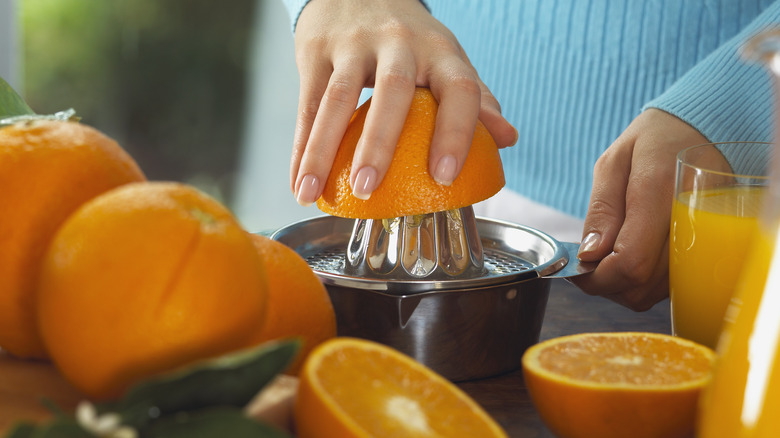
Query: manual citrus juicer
463, 295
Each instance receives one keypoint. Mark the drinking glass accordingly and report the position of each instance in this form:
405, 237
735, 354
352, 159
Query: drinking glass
719, 190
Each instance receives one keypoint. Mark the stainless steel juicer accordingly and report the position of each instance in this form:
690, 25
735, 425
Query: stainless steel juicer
463, 295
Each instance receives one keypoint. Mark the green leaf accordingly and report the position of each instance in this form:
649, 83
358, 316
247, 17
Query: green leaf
21, 430
11, 104
212, 423
60, 427
230, 380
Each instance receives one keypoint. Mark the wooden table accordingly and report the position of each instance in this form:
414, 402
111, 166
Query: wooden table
24, 383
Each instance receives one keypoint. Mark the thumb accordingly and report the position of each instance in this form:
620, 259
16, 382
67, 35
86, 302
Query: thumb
607, 208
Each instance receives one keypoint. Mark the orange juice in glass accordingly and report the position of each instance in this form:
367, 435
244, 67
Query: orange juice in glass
718, 195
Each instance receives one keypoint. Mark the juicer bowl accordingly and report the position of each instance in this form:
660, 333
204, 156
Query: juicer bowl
463, 327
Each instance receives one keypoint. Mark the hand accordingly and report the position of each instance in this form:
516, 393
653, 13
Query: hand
627, 225
343, 46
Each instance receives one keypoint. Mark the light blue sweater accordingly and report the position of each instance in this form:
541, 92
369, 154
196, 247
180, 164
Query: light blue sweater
572, 74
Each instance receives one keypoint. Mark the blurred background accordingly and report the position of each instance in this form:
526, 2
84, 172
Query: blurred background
196, 91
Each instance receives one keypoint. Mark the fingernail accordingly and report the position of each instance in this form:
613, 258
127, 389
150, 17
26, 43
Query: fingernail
590, 243
365, 183
309, 190
445, 170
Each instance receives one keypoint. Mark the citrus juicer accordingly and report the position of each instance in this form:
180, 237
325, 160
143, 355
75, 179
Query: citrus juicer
436, 246
463, 295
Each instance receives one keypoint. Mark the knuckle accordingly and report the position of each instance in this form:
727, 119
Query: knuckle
637, 269
489, 100
377, 147
599, 208
443, 42
397, 78
639, 304
339, 92
637, 300
466, 84
310, 47
603, 163
306, 113
397, 29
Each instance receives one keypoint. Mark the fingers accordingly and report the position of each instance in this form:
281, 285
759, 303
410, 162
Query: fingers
335, 109
634, 270
502, 131
311, 90
627, 226
394, 90
614, 235
459, 101
607, 207
394, 46
463, 98
616, 279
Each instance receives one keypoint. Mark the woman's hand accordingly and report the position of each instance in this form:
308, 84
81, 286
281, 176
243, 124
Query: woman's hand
627, 225
342, 46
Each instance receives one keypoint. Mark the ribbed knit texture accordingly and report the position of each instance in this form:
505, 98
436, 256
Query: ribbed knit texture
572, 74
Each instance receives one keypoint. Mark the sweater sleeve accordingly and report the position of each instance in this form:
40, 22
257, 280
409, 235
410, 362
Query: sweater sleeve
294, 8
726, 97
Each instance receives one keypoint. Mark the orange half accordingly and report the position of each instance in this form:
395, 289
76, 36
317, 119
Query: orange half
357, 388
627, 384
408, 188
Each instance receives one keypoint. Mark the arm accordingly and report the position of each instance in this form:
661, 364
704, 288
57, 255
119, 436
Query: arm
391, 45
627, 225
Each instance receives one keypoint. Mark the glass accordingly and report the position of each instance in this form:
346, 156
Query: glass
743, 399
718, 194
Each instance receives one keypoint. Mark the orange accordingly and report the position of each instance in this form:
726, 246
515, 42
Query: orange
617, 384
298, 304
47, 170
358, 388
143, 279
407, 188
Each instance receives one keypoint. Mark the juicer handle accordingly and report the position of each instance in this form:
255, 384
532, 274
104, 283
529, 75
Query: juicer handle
574, 266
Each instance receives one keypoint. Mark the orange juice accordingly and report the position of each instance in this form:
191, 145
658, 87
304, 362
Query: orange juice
743, 399
710, 234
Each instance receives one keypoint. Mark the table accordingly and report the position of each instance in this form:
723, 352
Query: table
24, 383
569, 311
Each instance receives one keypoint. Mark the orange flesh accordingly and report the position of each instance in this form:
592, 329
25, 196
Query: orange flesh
636, 361
402, 401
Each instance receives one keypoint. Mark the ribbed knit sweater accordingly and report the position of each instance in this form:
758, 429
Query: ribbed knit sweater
570, 75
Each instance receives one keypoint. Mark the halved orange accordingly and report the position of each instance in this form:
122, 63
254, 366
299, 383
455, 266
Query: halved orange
625, 384
358, 388
408, 188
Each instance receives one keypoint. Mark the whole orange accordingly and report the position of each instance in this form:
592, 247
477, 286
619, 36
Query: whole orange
298, 303
144, 279
47, 170
408, 188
